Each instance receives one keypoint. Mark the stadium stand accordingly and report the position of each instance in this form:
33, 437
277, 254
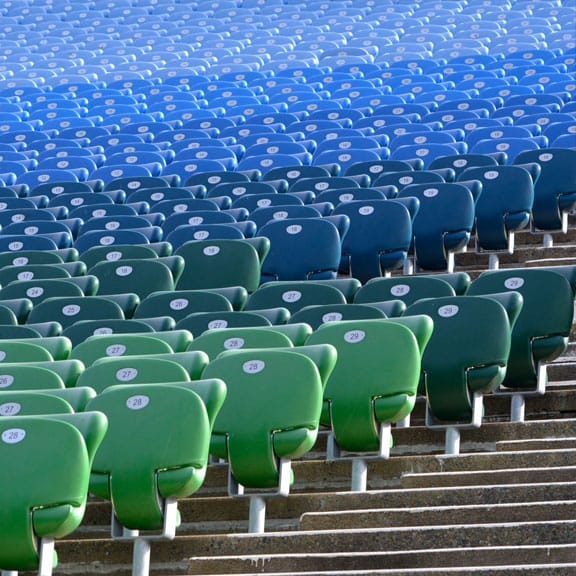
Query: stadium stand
244, 244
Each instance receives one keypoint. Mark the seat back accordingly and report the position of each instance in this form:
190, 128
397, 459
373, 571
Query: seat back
279, 421
51, 506
541, 332
382, 359
138, 465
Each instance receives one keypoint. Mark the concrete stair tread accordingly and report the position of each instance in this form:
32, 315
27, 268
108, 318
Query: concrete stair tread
503, 570
406, 559
347, 540
436, 515
477, 477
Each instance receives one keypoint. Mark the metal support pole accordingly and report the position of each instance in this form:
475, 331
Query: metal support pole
141, 557
257, 515
404, 423
518, 408
359, 475
493, 262
452, 447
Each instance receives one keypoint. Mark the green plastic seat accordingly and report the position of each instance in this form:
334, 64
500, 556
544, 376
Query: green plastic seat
139, 466
409, 289
179, 304
21, 307
44, 329
199, 322
28, 376
220, 263
467, 354
58, 347
115, 345
215, 341
39, 290
543, 327
68, 310
23, 351
261, 427
33, 402
298, 333
7, 316
9, 332
37, 508
294, 295
26, 257
79, 331
375, 380
141, 277
176, 367
460, 281
97, 254
31, 272
67, 371
77, 398
178, 340
317, 315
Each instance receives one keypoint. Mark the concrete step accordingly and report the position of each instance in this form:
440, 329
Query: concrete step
568, 569
439, 515
475, 478
521, 255
203, 514
84, 552
227, 515
377, 560
536, 444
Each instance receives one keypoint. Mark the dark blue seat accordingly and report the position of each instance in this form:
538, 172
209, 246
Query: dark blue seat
378, 239
443, 224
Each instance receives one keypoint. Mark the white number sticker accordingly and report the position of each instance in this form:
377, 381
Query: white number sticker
13, 435
294, 229
354, 336
10, 409
233, 343
20, 261
448, 311
179, 303
137, 402
513, 283
34, 292
217, 324
331, 317
31, 230
115, 350
124, 270
546, 157
126, 374
15, 246
291, 296
26, 275
103, 330
71, 310
201, 235
107, 240
113, 256
253, 366
430, 192
400, 290
211, 250
6, 380
280, 215
366, 210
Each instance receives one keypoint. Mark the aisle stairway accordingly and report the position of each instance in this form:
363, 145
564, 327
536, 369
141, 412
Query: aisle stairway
505, 506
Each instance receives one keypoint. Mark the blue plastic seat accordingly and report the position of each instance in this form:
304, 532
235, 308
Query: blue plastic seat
443, 224
378, 239
505, 204
427, 153
315, 245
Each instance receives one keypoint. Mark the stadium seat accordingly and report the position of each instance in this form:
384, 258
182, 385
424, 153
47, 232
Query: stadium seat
541, 331
455, 382
143, 419
287, 413
43, 509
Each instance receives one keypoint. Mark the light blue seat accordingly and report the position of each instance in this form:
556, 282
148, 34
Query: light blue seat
427, 152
